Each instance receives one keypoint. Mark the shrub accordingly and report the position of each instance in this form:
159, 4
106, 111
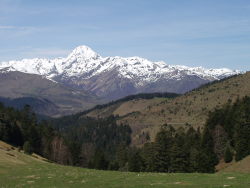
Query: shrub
27, 148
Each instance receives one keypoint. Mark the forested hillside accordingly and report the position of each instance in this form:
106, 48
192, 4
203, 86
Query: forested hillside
148, 115
80, 142
225, 137
102, 144
230, 129
105, 142
93, 142
22, 129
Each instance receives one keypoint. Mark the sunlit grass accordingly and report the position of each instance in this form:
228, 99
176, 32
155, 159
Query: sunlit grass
35, 172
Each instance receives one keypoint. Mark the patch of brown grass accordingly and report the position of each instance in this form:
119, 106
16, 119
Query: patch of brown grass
242, 166
10, 156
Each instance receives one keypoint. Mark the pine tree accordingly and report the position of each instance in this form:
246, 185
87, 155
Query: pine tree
149, 156
228, 156
164, 141
204, 163
135, 162
242, 141
207, 158
100, 161
178, 159
121, 155
193, 159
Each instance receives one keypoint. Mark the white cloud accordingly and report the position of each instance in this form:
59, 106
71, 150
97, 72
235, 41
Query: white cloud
17, 27
45, 52
6, 27
24, 52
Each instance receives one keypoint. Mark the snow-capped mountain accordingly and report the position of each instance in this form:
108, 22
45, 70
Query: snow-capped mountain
114, 77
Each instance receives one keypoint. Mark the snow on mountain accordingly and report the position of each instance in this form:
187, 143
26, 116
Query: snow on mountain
85, 63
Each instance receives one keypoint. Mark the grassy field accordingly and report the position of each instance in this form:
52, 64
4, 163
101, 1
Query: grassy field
21, 170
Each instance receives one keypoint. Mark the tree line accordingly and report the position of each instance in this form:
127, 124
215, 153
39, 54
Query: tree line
69, 140
230, 127
224, 137
104, 144
182, 150
22, 129
133, 97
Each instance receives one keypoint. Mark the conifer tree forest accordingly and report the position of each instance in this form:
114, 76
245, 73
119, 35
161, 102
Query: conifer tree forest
103, 144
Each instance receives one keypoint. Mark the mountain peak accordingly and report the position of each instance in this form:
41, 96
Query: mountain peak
85, 69
83, 52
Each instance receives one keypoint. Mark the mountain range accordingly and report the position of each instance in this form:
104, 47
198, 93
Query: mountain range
103, 79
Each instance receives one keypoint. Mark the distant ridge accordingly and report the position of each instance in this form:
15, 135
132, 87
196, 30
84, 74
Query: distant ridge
116, 77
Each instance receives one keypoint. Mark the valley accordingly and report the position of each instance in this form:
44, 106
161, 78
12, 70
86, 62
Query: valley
45, 96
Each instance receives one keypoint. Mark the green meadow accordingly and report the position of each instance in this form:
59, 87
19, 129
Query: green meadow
20, 170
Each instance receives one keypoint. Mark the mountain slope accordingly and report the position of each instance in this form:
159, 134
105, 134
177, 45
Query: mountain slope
116, 77
60, 99
39, 105
147, 115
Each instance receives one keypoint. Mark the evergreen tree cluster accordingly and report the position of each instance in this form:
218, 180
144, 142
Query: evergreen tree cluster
104, 144
173, 151
71, 140
93, 142
21, 128
230, 126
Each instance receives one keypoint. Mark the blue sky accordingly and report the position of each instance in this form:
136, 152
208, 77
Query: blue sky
213, 34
